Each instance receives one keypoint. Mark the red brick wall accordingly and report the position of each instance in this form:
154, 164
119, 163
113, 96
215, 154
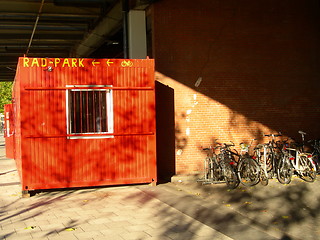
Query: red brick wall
259, 64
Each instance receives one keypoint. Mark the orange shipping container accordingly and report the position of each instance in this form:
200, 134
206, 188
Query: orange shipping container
84, 122
9, 130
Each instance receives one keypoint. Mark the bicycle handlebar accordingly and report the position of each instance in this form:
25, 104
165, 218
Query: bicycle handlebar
228, 145
206, 149
314, 142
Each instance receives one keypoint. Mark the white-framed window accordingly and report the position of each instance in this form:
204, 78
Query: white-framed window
89, 111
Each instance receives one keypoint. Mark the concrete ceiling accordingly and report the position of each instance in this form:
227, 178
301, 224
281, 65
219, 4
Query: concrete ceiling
55, 28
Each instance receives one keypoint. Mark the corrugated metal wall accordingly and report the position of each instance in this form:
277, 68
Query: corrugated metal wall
9, 130
51, 160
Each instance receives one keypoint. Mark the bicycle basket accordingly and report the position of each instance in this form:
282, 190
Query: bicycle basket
244, 147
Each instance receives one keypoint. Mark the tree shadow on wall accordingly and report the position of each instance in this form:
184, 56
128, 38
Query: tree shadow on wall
165, 132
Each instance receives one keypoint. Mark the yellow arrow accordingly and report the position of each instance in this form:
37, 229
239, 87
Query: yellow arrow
108, 62
94, 63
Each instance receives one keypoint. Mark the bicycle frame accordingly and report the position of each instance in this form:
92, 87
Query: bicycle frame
316, 152
218, 167
262, 160
208, 163
272, 144
296, 162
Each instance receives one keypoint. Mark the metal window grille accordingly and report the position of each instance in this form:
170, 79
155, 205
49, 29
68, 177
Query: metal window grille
90, 111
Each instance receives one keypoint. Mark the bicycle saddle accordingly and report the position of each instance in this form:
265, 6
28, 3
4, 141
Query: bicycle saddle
302, 133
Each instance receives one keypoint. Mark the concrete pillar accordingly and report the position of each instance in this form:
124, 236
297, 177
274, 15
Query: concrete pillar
137, 34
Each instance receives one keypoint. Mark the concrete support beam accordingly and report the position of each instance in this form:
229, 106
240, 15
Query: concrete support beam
137, 34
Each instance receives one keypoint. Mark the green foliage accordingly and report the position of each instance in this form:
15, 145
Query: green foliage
5, 94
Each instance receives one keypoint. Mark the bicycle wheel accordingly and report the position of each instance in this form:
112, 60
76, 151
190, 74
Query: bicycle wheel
315, 159
207, 168
216, 172
248, 171
230, 176
308, 173
264, 179
284, 170
270, 160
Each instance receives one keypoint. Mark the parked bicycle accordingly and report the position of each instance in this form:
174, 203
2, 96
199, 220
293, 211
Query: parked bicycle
316, 153
220, 167
262, 155
282, 158
300, 162
248, 168
210, 164
272, 154
284, 167
227, 160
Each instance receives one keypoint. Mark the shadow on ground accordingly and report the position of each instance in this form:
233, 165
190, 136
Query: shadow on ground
283, 211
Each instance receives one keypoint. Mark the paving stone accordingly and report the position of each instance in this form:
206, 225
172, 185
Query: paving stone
70, 237
65, 220
15, 225
43, 234
179, 235
92, 227
163, 238
6, 233
214, 236
107, 212
51, 227
146, 221
205, 231
88, 235
24, 236
135, 235
122, 217
109, 237
76, 210
104, 220
137, 228
118, 224
114, 231
155, 232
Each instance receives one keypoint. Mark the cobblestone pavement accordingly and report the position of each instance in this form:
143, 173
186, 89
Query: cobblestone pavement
287, 211
169, 211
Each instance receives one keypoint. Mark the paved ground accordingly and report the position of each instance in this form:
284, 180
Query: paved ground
169, 211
